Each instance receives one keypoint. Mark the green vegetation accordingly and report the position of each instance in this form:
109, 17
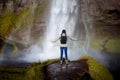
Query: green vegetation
11, 21
22, 18
50, 61
33, 72
36, 71
112, 45
6, 23
96, 44
97, 70
12, 73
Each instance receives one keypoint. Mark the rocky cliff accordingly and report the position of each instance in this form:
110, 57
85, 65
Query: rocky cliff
25, 19
22, 17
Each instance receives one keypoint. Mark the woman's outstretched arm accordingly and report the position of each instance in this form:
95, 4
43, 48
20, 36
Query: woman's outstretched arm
72, 39
56, 40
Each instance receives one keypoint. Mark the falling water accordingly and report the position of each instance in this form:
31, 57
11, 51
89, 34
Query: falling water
60, 19
64, 15
72, 15
87, 21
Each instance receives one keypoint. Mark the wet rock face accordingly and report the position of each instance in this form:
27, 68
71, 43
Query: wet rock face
18, 8
98, 7
17, 5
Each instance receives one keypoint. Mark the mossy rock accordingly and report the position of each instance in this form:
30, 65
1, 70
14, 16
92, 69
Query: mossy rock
97, 70
112, 45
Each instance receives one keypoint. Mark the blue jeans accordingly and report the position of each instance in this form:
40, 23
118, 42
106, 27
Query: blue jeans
63, 49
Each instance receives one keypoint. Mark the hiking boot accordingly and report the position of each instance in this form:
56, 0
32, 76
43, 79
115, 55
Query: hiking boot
61, 62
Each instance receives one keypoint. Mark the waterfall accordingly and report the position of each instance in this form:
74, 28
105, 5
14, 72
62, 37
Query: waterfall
87, 23
72, 15
65, 14
68, 15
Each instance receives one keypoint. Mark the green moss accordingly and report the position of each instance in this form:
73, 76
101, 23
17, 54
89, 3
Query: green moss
12, 73
33, 72
96, 44
113, 46
12, 69
50, 61
15, 49
25, 18
6, 23
11, 21
97, 70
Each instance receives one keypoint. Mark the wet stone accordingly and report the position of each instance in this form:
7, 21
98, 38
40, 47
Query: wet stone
75, 70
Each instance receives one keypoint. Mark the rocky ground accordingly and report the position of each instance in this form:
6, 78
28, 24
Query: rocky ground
53, 70
75, 70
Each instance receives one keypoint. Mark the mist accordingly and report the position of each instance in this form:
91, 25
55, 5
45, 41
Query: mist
63, 14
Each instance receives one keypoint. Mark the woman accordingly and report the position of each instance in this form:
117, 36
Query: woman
63, 45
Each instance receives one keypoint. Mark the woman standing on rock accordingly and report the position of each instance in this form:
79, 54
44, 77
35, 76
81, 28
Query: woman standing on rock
63, 45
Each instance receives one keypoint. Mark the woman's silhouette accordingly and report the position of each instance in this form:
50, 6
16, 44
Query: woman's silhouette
63, 45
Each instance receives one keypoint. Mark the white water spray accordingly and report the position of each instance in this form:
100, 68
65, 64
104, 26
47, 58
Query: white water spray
63, 15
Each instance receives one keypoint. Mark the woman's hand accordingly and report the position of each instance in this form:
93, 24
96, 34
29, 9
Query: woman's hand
53, 41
